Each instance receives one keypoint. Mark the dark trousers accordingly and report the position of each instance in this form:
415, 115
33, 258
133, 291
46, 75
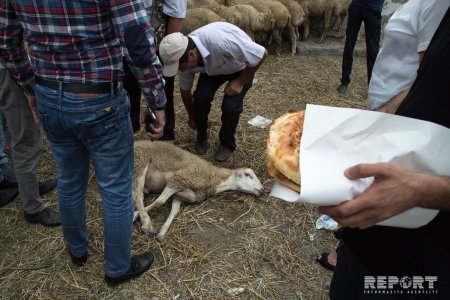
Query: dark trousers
372, 26
348, 278
133, 89
232, 107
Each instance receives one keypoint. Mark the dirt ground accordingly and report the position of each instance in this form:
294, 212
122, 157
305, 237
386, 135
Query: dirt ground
263, 245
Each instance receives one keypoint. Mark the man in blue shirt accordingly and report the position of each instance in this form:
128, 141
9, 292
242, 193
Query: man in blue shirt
369, 12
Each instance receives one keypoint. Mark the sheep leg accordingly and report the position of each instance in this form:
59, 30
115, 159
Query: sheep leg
306, 24
176, 203
163, 197
276, 33
187, 196
138, 197
326, 25
293, 37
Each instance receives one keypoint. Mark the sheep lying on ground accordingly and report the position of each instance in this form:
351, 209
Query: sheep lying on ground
164, 168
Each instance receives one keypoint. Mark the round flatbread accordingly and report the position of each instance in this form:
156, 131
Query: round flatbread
283, 144
281, 178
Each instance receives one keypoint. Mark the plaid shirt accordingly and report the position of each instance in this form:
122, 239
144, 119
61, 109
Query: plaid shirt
78, 42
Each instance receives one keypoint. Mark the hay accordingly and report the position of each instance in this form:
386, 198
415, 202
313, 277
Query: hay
233, 240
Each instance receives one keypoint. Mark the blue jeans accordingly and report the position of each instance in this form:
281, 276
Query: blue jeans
97, 129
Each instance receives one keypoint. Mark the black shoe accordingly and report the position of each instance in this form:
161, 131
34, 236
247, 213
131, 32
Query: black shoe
46, 186
8, 184
8, 196
139, 264
342, 88
222, 154
201, 147
78, 261
46, 217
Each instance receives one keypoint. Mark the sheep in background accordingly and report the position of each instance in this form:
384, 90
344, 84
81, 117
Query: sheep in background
268, 19
297, 18
340, 11
198, 17
164, 168
318, 8
282, 19
244, 16
230, 14
200, 3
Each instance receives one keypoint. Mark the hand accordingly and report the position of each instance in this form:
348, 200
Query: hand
157, 127
233, 88
32, 103
393, 191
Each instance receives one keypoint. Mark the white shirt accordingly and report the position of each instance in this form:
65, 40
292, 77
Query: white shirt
408, 32
172, 8
225, 49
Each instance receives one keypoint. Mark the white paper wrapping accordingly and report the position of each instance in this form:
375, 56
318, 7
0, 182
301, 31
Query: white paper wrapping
334, 139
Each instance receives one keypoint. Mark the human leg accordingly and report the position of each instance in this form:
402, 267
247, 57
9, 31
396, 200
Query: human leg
372, 27
348, 277
203, 96
111, 151
232, 107
353, 24
72, 162
7, 195
26, 144
169, 129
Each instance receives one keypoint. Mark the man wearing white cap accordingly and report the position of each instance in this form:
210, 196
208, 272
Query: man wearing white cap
220, 52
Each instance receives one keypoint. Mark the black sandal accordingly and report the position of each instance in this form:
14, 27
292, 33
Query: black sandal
323, 261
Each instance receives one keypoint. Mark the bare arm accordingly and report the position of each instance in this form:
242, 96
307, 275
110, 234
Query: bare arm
188, 102
391, 106
235, 86
393, 191
174, 25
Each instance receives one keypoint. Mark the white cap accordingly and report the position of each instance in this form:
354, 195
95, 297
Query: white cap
171, 49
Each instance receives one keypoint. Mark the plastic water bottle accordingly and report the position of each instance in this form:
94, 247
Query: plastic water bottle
326, 222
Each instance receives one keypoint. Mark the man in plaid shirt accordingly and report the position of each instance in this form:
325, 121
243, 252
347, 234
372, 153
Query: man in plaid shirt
73, 72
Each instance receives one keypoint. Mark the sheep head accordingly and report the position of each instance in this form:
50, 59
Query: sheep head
247, 182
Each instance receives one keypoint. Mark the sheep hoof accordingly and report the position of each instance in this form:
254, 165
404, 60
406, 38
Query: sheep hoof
148, 230
135, 216
160, 237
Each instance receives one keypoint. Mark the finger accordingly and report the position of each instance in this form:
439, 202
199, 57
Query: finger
367, 170
345, 209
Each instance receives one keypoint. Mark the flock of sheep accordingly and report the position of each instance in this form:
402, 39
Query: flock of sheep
264, 20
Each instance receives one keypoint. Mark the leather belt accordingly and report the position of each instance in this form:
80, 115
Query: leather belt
100, 88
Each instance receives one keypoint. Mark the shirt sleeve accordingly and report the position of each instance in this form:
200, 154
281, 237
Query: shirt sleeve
429, 18
243, 50
175, 8
12, 48
136, 36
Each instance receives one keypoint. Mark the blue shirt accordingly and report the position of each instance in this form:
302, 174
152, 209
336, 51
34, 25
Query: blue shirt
376, 5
